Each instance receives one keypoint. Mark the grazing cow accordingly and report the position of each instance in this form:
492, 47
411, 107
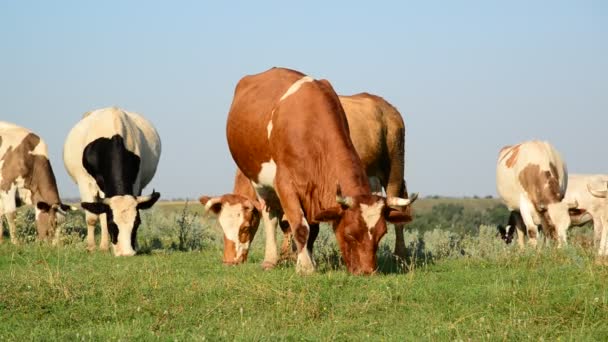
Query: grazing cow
289, 136
26, 177
531, 179
378, 135
112, 155
239, 216
590, 192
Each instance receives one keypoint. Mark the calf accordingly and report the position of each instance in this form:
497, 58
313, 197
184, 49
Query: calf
112, 155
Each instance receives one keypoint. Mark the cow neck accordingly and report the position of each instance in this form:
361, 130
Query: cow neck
117, 186
343, 167
42, 182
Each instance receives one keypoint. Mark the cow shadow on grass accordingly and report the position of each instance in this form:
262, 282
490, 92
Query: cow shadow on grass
329, 258
416, 257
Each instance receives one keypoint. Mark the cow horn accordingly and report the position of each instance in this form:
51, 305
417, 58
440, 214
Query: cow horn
143, 199
401, 202
59, 209
573, 205
597, 193
343, 200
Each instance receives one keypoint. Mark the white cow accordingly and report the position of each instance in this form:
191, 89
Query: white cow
590, 192
531, 179
112, 155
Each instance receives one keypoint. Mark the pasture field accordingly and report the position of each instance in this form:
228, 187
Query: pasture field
459, 283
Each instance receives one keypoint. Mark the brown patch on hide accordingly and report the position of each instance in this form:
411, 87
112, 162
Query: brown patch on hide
512, 152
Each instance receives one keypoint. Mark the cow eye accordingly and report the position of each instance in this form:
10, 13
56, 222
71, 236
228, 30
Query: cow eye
349, 237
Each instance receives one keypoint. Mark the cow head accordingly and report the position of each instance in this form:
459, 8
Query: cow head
360, 223
506, 233
239, 218
122, 218
556, 217
48, 216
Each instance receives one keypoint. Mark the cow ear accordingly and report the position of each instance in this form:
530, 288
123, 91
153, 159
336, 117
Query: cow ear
43, 206
96, 208
393, 215
213, 204
257, 205
328, 215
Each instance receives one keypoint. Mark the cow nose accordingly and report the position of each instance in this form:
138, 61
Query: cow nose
129, 253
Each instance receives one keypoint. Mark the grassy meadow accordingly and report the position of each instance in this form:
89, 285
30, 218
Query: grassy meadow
459, 282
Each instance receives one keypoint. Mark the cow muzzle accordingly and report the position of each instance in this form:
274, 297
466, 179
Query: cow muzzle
118, 251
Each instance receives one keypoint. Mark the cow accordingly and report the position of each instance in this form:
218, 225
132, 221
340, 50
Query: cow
288, 134
378, 135
531, 179
590, 192
26, 177
112, 154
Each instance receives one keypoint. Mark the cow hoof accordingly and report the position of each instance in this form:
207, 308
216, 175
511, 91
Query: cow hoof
268, 265
104, 248
91, 248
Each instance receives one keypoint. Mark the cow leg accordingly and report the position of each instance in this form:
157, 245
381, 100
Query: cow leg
287, 247
314, 232
527, 212
91, 221
597, 231
12, 227
295, 216
270, 251
9, 208
1, 227
399, 242
104, 244
603, 248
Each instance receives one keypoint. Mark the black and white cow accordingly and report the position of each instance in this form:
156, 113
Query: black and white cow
26, 177
112, 155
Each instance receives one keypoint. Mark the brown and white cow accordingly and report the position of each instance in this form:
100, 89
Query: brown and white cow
590, 193
531, 179
26, 177
288, 134
239, 216
378, 135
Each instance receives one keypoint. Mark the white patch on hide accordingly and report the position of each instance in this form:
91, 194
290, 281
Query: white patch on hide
40, 150
124, 212
371, 213
230, 219
296, 86
267, 174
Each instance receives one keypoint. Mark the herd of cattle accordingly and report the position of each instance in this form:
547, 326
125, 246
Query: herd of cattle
304, 155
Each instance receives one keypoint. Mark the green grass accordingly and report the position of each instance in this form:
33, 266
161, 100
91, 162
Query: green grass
454, 288
66, 293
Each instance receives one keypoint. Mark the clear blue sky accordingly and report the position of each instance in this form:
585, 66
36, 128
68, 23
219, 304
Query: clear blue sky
468, 76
